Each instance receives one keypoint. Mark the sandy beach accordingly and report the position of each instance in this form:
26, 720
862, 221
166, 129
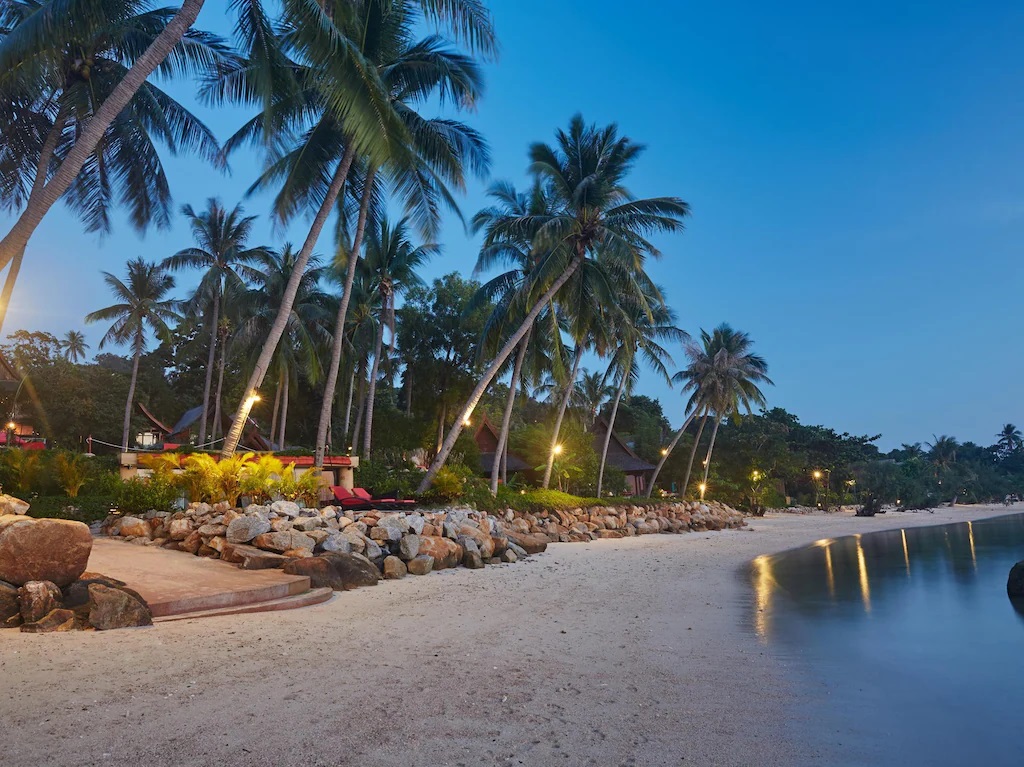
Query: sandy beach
638, 651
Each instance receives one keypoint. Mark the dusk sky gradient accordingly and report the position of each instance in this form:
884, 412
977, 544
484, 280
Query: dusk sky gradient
855, 173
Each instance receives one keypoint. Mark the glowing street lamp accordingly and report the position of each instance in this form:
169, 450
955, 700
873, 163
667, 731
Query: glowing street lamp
557, 450
664, 451
466, 421
703, 489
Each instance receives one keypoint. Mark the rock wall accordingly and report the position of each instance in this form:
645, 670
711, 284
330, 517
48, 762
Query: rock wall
396, 543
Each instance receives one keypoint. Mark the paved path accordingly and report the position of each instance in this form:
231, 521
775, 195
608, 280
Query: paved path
174, 582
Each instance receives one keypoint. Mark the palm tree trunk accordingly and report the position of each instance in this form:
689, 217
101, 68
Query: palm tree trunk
276, 411
327, 405
8, 291
131, 393
711, 447
42, 166
217, 410
608, 431
357, 429
693, 451
561, 414
371, 396
668, 452
348, 407
492, 370
408, 390
440, 428
259, 371
506, 418
95, 127
210, 358
284, 413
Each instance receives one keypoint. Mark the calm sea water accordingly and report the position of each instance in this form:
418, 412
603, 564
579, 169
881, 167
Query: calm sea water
912, 648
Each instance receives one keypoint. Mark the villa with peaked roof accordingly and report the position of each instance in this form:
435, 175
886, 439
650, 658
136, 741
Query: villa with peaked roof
486, 438
620, 455
169, 437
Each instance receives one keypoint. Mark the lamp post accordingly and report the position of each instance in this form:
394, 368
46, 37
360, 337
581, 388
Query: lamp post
703, 489
11, 426
828, 480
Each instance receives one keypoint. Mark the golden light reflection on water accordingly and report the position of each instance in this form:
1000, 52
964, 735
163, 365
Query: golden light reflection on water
862, 573
906, 551
826, 543
970, 537
763, 585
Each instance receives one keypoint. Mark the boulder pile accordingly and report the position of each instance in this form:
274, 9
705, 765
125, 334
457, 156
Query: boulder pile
345, 549
44, 586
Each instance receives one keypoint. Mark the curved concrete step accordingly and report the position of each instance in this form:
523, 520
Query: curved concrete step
292, 602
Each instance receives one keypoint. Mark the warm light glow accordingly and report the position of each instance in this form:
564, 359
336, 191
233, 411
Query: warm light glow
862, 572
12, 425
763, 583
755, 475
253, 399
970, 537
817, 475
466, 421
557, 450
664, 451
906, 551
829, 572
703, 489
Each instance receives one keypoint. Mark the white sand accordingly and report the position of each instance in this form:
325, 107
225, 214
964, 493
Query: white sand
637, 651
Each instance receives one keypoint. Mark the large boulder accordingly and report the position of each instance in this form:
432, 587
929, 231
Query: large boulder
285, 508
38, 599
55, 550
135, 527
337, 543
251, 558
1015, 583
338, 571
531, 543
11, 505
10, 606
179, 529
446, 552
244, 529
114, 608
420, 565
394, 568
284, 541
409, 546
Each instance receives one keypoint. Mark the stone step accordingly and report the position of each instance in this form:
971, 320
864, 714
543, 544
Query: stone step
291, 602
232, 595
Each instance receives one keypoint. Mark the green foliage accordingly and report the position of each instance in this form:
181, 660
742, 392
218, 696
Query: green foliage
386, 473
304, 488
85, 509
71, 471
199, 478
259, 476
20, 470
138, 496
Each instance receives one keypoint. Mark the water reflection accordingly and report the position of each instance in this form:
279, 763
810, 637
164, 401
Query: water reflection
862, 577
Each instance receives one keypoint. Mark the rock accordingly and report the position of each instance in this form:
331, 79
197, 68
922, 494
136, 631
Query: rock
135, 528
1015, 583
37, 599
251, 558
341, 572
483, 540
396, 522
420, 565
373, 550
10, 607
394, 568
55, 550
244, 529
281, 524
209, 531
531, 543
383, 534
192, 543
58, 619
509, 556
112, 608
76, 595
446, 552
285, 508
473, 560
305, 524
416, 523
409, 546
284, 541
336, 543
518, 550
11, 505
178, 529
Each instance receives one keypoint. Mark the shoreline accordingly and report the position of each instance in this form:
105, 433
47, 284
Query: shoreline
632, 651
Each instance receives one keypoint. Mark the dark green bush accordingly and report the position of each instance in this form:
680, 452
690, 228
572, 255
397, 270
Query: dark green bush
82, 509
137, 496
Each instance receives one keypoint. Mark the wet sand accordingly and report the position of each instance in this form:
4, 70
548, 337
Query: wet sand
639, 651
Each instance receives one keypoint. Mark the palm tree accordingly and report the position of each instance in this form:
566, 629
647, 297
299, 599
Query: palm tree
592, 392
29, 56
723, 376
70, 129
306, 329
391, 263
593, 211
221, 255
639, 330
74, 345
142, 305
313, 136
1010, 439
942, 453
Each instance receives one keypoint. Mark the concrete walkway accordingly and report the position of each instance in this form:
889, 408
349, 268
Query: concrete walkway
175, 583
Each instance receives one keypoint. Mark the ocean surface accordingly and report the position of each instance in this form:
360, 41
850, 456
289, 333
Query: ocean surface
911, 649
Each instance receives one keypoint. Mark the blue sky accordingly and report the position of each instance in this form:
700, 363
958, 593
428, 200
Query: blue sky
854, 172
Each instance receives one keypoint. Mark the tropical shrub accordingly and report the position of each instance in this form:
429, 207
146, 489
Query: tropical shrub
304, 488
85, 509
138, 496
259, 475
230, 473
200, 478
71, 471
